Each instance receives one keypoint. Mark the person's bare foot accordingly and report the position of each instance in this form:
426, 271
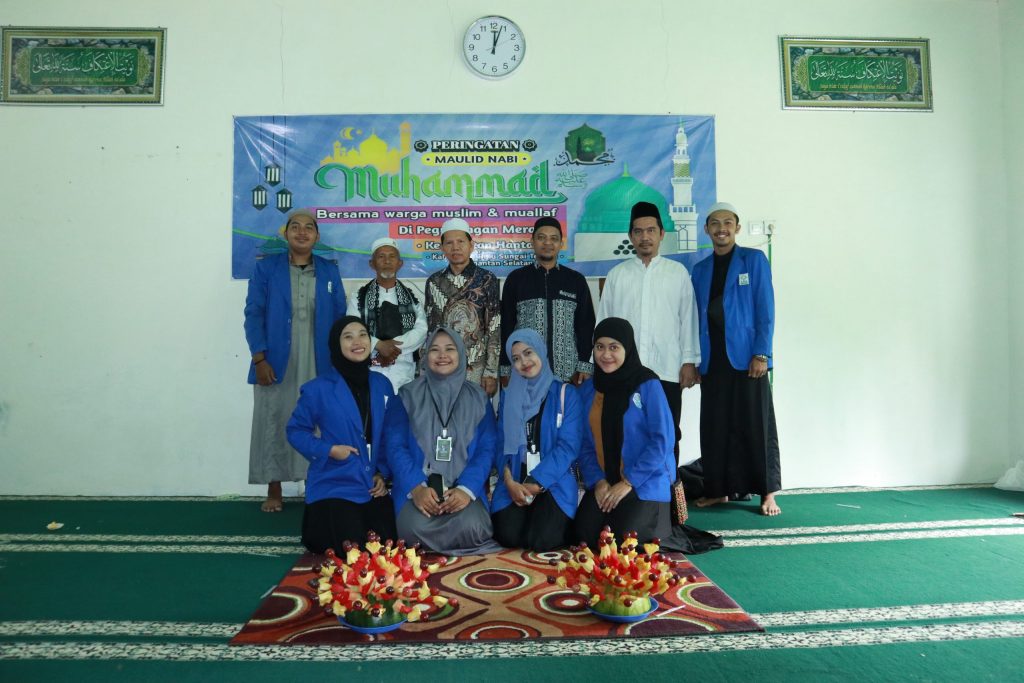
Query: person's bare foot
769, 508
274, 501
708, 502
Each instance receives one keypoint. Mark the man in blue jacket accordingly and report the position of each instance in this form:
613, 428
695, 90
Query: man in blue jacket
739, 442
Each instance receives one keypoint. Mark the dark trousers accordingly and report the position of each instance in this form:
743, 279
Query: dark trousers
540, 526
330, 522
649, 519
674, 394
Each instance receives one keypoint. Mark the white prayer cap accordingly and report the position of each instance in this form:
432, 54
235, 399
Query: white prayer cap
456, 224
723, 206
382, 242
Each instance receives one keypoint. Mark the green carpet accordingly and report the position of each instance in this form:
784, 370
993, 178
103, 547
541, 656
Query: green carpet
850, 585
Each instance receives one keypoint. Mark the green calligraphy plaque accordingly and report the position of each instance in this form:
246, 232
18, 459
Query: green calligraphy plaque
81, 66
851, 73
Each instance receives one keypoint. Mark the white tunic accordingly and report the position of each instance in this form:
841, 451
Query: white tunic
658, 302
403, 370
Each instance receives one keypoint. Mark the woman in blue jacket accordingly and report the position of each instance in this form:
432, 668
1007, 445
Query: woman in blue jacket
627, 458
440, 443
337, 426
541, 420
293, 300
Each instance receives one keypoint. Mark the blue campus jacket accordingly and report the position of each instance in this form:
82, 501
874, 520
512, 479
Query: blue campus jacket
268, 312
404, 458
559, 448
648, 443
327, 405
749, 303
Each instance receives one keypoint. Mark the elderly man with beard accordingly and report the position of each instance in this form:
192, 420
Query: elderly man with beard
655, 295
393, 313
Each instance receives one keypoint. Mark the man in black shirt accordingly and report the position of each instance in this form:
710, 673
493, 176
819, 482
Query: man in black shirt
553, 300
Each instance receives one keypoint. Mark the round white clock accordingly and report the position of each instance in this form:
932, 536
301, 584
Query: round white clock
493, 47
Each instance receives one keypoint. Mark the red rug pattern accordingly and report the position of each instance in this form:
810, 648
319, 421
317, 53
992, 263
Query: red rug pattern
503, 596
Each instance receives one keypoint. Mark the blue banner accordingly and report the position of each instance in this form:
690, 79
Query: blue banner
370, 176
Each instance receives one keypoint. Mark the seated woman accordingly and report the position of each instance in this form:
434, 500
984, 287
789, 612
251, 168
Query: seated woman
337, 426
627, 458
440, 441
541, 419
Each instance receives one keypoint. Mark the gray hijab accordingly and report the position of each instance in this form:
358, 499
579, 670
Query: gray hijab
430, 394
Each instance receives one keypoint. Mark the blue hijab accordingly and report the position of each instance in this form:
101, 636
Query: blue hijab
524, 396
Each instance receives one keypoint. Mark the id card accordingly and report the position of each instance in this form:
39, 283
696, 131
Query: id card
532, 460
443, 449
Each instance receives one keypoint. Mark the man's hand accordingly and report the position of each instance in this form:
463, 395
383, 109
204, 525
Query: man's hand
265, 373
614, 496
688, 375
490, 385
388, 350
455, 500
504, 382
342, 452
379, 487
579, 378
425, 500
758, 368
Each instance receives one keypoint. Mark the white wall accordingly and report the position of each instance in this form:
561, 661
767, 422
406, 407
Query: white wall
123, 359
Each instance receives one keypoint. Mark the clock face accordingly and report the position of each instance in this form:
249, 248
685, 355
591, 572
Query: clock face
493, 47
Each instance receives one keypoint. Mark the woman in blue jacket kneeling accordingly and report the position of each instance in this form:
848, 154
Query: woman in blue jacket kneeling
337, 426
441, 440
627, 458
541, 419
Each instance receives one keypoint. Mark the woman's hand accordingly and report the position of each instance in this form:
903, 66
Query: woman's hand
379, 487
425, 500
265, 373
455, 500
614, 496
516, 491
342, 452
601, 492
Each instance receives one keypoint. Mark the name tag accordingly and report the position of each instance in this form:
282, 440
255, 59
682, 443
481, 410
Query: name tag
744, 278
443, 449
532, 460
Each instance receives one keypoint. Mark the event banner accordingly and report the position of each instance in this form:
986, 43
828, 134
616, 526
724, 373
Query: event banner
401, 176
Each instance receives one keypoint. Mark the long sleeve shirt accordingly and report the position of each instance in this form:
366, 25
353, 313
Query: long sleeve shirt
403, 370
557, 304
658, 302
469, 303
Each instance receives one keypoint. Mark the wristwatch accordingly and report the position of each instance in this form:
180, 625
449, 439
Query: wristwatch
761, 357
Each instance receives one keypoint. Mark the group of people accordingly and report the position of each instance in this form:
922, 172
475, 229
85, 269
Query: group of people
394, 428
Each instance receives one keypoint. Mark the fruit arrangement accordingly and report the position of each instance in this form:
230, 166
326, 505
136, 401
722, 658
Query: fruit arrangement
381, 585
620, 580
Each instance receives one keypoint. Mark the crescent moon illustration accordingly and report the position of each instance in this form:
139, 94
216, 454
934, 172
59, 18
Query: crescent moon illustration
346, 133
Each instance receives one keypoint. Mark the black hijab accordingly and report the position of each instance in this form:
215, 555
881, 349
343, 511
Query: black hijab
355, 373
617, 387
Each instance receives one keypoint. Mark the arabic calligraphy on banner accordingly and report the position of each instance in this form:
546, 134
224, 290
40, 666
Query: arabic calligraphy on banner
402, 176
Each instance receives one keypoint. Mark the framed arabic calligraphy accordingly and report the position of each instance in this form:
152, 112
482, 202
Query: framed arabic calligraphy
889, 74
81, 65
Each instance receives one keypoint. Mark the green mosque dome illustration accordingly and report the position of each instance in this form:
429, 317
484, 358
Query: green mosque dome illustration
607, 208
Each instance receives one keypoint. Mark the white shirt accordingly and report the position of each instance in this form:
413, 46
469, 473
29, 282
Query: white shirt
658, 302
403, 370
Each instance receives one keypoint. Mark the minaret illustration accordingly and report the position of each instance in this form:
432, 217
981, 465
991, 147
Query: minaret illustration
683, 210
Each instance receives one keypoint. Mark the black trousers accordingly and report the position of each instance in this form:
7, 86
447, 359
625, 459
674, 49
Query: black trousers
649, 519
674, 394
330, 522
540, 526
739, 442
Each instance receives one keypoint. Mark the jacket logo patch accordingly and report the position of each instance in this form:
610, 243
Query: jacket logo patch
637, 402
744, 278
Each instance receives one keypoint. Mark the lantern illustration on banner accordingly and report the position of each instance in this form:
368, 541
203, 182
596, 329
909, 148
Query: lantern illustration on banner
272, 174
259, 197
284, 200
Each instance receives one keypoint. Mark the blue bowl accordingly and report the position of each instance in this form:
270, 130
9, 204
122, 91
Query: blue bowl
372, 630
625, 618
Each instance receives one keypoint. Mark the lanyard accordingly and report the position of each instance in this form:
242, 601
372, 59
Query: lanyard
451, 411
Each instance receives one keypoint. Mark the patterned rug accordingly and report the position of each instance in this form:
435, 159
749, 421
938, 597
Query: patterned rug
503, 596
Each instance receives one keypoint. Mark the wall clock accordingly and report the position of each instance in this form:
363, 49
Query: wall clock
493, 47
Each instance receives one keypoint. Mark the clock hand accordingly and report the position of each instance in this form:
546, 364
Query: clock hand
495, 43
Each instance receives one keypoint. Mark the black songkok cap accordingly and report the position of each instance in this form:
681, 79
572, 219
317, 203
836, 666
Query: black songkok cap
643, 210
549, 222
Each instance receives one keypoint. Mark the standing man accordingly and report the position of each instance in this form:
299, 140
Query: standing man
464, 296
555, 302
393, 313
739, 443
655, 295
